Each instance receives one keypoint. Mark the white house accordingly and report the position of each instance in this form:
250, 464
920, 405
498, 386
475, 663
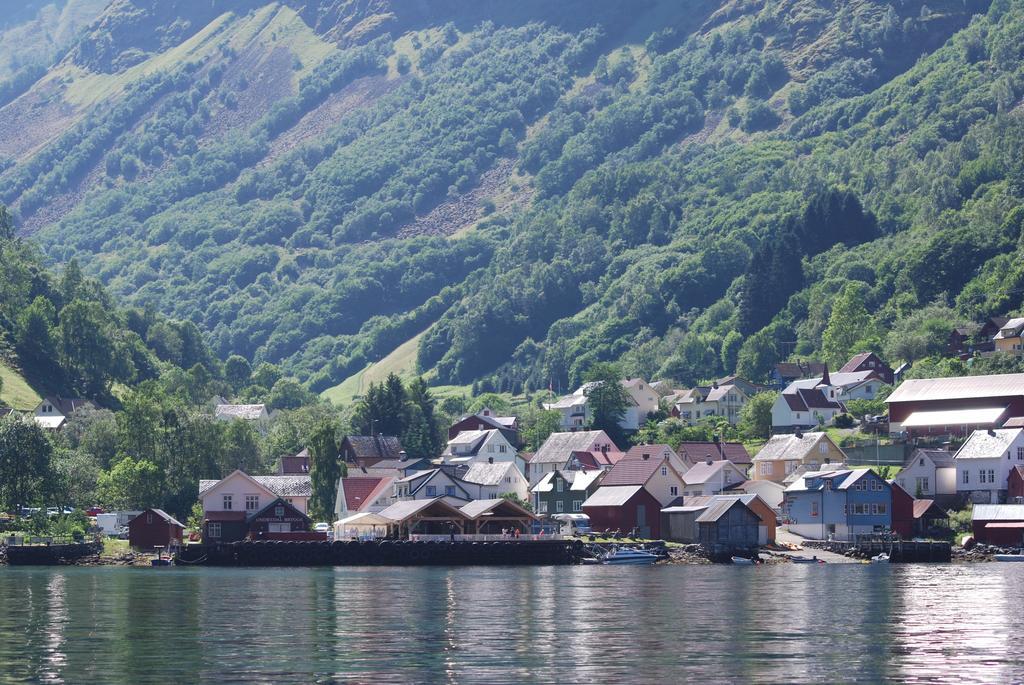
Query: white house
928, 474
711, 478
801, 408
725, 401
432, 484
473, 446
984, 461
491, 480
238, 491
53, 411
643, 400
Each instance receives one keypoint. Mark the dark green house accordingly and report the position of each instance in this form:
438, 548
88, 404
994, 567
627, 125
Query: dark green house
564, 491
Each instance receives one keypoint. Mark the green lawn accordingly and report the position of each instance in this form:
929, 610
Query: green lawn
16, 392
401, 361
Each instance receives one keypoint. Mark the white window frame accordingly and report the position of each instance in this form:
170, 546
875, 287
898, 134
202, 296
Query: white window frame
559, 506
252, 502
213, 529
577, 505
227, 502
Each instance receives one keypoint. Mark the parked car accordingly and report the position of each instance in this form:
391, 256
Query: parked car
93, 511
322, 527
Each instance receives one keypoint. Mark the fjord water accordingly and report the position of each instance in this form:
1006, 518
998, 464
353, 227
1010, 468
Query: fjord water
840, 623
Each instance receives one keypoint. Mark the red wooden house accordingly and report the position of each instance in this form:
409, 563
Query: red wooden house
623, 508
280, 520
1015, 486
902, 511
154, 528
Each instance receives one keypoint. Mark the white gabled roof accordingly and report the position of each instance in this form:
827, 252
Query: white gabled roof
988, 445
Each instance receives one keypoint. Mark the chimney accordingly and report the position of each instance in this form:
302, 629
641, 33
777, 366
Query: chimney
991, 432
708, 459
490, 460
798, 435
402, 456
645, 456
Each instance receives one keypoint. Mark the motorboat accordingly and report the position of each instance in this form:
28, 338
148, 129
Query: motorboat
742, 561
805, 560
628, 555
882, 558
1009, 557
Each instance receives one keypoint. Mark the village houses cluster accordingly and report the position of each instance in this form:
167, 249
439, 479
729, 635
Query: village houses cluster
483, 482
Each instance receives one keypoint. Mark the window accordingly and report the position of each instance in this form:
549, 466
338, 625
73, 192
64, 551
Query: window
213, 530
664, 470
252, 502
764, 468
814, 508
577, 505
922, 484
542, 507
149, 518
797, 415
922, 461
559, 506
279, 511
673, 490
559, 485
449, 490
493, 495
501, 448
991, 476
431, 491
227, 503
1020, 454
823, 448
881, 507
874, 508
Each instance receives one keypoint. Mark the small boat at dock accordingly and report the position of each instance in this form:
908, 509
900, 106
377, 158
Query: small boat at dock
806, 560
627, 555
882, 558
742, 561
1009, 557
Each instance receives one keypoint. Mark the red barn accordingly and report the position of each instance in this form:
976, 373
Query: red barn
955, 406
623, 508
998, 524
902, 511
154, 528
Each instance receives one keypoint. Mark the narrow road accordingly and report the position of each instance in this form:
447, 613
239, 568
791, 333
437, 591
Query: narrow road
784, 537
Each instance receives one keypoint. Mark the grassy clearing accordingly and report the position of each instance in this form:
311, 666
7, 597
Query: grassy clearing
16, 392
401, 361
112, 547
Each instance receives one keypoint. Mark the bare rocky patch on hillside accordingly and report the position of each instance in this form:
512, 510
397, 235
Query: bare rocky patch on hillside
464, 210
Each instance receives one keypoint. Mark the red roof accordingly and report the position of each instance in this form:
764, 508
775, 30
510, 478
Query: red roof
699, 451
632, 472
597, 459
225, 516
358, 489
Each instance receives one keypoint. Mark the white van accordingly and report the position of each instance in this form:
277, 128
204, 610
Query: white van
573, 524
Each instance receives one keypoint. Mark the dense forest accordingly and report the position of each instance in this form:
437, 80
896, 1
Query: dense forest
526, 189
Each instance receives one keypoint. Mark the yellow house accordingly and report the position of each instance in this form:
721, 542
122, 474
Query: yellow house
784, 454
1008, 339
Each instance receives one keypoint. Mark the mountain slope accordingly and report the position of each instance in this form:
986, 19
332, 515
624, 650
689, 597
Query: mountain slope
536, 185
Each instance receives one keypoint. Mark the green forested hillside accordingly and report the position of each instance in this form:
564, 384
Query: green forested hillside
534, 187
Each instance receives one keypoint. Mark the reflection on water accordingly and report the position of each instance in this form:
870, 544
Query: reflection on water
491, 625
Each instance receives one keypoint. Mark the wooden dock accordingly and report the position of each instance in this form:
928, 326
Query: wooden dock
899, 551
383, 553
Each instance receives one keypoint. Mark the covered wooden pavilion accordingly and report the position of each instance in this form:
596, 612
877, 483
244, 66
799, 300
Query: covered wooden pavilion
424, 516
489, 516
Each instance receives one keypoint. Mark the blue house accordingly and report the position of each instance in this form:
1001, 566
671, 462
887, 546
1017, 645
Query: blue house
841, 504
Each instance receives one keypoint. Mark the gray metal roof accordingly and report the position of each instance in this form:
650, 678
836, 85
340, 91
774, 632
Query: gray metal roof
612, 495
788, 447
718, 508
482, 473
559, 446
923, 389
998, 512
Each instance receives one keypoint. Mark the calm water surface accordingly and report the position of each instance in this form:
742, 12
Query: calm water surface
492, 625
